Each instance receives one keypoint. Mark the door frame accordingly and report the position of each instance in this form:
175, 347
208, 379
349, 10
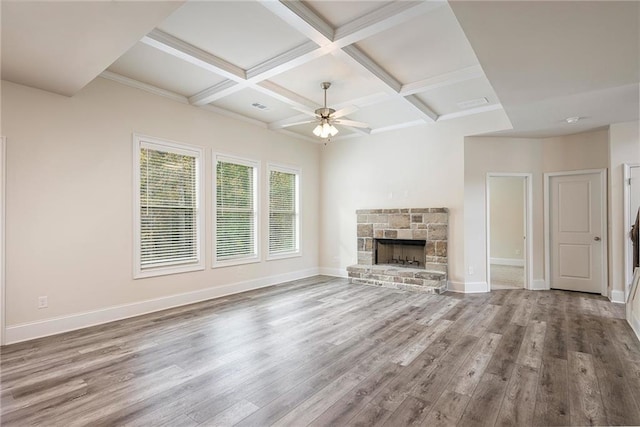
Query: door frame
528, 224
626, 176
3, 169
603, 232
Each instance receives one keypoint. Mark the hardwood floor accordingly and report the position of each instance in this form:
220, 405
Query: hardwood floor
322, 352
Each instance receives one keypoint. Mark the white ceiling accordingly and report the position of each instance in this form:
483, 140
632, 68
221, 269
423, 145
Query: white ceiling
394, 64
549, 60
62, 46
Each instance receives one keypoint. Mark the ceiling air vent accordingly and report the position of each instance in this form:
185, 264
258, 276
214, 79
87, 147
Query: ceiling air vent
259, 106
465, 105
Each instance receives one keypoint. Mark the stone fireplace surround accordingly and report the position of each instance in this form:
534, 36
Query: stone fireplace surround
428, 224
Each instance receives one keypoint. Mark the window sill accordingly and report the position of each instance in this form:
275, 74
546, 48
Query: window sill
164, 271
232, 262
284, 256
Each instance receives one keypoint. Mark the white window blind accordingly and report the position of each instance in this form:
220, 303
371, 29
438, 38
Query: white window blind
236, 209
283, 211
169, 218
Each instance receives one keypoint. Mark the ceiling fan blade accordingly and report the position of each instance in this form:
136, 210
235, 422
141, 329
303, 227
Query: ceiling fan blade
345, 111
351, 123
307, 112
303, 122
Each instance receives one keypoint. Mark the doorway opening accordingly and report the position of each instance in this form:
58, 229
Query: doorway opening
508, 228
631, 209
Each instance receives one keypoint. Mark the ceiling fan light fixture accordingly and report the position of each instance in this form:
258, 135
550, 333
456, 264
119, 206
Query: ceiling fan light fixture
325, 129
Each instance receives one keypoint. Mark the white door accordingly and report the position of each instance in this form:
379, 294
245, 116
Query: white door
576, 232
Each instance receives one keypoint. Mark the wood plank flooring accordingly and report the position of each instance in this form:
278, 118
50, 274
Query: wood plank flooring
321, 352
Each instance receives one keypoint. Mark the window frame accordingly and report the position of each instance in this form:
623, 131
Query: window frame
143, 141
239, 160
298, 174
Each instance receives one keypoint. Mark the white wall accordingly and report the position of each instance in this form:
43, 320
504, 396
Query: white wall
483, 155
506, 211
624, 147
416, 167
69, 199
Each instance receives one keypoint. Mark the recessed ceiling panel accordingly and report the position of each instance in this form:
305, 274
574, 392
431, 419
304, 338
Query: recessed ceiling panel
445, 100
241, 32
347, 84
266, 109
389, 113
151, 66
426, 46
338, 13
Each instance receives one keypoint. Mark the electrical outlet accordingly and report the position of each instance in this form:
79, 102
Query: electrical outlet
43, 302
470, 270
517, 251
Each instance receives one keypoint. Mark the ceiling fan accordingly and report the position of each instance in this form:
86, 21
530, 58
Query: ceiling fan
326, 118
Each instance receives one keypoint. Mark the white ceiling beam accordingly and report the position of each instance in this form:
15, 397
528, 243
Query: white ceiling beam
216, 92
291, 59
442, 80
470, 112
422, 107
398, 126
285, 95
302, 18
360, 59
281, 124
381, 19
189, 53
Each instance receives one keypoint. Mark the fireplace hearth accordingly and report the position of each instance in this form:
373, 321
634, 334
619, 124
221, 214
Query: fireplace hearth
402, 249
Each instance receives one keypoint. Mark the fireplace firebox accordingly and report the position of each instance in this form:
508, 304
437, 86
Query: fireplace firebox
400, 252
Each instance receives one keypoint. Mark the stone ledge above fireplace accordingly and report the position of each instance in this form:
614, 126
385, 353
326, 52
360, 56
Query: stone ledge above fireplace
430, 225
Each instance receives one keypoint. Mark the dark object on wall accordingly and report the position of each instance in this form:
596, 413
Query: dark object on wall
635, 237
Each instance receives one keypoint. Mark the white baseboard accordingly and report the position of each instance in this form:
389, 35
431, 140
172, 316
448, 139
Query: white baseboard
475, 287
618, 296
507, 261
539, 285
635, 325
336, 272
455, 287
467, 287
43, 328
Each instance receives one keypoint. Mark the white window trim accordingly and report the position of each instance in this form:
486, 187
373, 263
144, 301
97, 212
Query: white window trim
230, 158
298, 172
140, 141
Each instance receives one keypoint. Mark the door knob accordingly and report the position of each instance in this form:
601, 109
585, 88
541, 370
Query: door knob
597, 239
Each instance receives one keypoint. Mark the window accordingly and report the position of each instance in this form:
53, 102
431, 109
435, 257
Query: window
236, 200
284, 235
168, 218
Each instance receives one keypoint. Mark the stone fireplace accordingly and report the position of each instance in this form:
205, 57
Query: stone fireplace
402, 249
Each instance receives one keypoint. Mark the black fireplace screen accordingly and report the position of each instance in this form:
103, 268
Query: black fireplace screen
407, 253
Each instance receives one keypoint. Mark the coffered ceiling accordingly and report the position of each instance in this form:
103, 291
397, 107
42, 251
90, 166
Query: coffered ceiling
393, 64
